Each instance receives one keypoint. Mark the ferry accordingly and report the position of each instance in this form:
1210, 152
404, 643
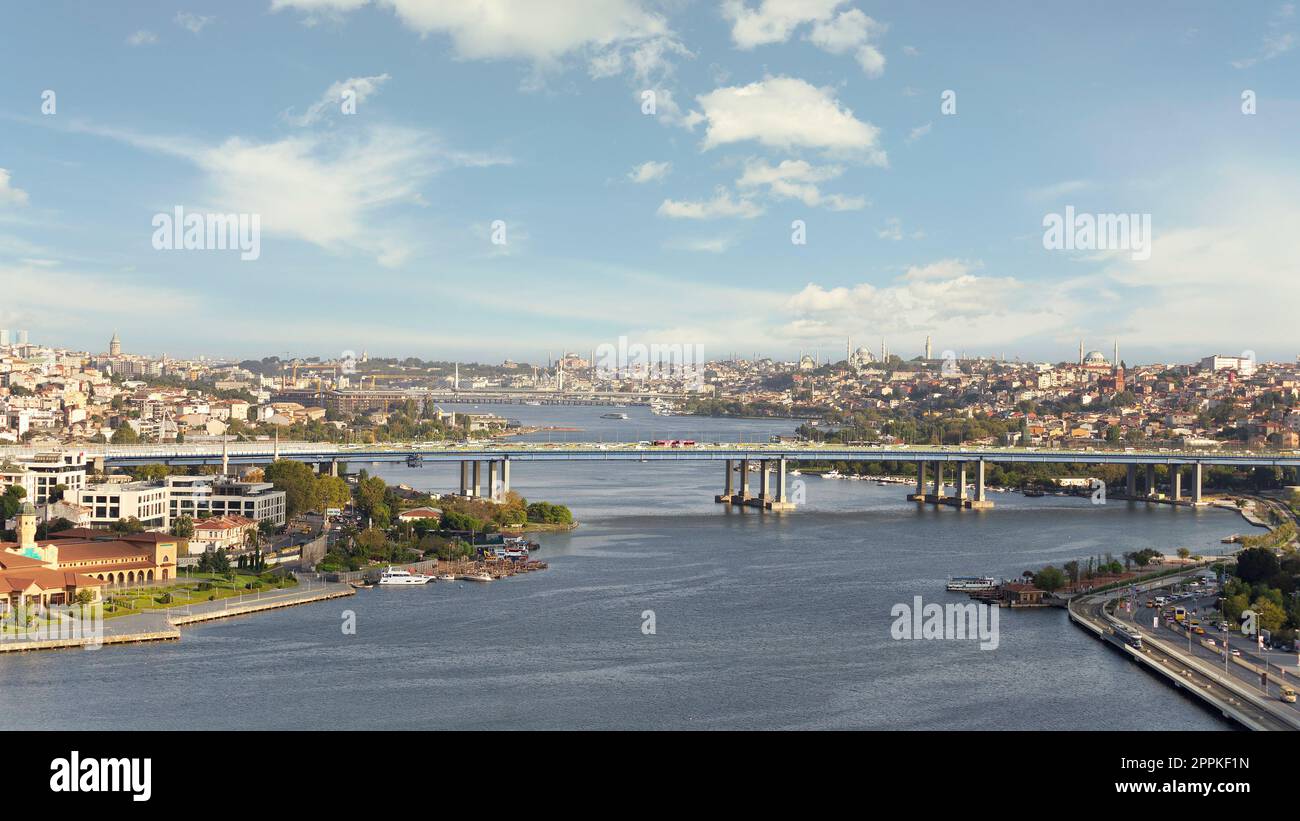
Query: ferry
613, 416
970, 584
395, 575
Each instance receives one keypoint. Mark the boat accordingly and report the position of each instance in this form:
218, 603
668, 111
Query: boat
533, 403
446, 577
361, 585
831, 474
478, 577
396, 575
613, 416
1034, 493
969, 584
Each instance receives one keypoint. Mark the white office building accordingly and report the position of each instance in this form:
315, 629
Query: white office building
40, 474
206, 496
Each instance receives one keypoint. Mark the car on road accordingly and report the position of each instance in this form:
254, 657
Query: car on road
1235, 652
1288, 695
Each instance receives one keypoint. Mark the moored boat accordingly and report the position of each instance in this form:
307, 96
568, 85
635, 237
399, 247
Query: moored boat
398, 576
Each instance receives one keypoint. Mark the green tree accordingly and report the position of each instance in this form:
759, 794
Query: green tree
125, 435
298, 483
1050, 579
183, 527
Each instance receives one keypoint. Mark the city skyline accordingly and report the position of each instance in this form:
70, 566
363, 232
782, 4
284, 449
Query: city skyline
378, 226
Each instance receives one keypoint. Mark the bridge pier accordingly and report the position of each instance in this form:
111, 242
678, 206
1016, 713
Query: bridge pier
492, 481
1151, 480
1176, 483
1131, 482
1196, 483
960, 499
505, 477
464, 478
475, 489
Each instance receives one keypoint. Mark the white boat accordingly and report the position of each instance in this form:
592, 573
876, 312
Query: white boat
967, 584
446, 577
395, 575
479, 577
794, 473
613, 416
831, 474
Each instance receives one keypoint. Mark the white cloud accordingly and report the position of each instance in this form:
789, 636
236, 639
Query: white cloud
1060, 189
798, 179
649, 171
911, 51
143, 37
330, 190
919, 132
852, 31
1278, 41
722, 205
609, 32
710, 245
9, 195
785, 112
193, 22
893, 229
332, 99
942, 297
773, 21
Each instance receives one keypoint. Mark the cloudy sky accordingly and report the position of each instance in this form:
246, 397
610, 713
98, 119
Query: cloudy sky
513, 178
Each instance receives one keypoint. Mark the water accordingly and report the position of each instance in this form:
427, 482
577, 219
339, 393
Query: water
762, 621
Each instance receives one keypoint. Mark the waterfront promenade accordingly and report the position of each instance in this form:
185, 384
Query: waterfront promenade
162, 625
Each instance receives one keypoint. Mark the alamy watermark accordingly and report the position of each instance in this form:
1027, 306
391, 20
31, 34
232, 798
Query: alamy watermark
951, 621
193, 231
1072, 231
79, 623
656, 361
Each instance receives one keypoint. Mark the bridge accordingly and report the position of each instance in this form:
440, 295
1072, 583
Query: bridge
771, 459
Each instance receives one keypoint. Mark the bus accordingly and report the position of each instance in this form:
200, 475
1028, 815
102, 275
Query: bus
1180, 613
1288, 694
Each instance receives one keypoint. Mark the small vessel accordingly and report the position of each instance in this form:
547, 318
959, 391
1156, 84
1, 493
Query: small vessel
446, 577
396, 575
533, 403
613, 416
361, 585
479, 577
968, 584
1034, 493
831, 474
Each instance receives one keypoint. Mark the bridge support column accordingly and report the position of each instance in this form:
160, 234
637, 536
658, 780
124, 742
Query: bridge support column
464, 478
780, 481
1176, 482
1151, 480
334, 468
728, 484
919, 496
1196, 483
980, 502
744, 481
505, 477
938, 481
961, 484
493, 491
476, 487
1131, 482
764, 494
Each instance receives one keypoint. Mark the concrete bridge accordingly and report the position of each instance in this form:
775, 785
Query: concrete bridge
772, 460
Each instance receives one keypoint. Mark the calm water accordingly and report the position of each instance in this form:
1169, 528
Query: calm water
762, 621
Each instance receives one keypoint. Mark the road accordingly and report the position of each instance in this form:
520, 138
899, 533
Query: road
1201, 671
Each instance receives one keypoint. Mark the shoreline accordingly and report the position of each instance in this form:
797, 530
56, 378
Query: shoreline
164, 625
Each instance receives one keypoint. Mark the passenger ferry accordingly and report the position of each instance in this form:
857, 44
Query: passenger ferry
613, 416
395, 575
969, 584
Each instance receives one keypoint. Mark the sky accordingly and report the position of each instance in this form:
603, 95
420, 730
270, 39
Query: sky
491, 179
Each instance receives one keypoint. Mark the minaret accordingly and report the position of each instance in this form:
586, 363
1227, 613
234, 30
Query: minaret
455, 382
928, 349
225, 457
1080, 350
26, 525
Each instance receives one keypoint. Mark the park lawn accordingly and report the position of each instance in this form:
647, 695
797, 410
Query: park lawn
142, 600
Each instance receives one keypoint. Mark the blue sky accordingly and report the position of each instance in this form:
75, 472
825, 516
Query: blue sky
675, 226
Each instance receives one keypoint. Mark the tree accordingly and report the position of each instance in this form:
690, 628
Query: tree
332, 491
1049, 578
125, 435
1270, 614
1257, 564
131, 525
183, 527
1183, 553
298, 483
